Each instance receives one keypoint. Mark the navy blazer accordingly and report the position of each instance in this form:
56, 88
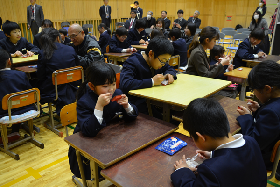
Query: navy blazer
12, 81
127, 23
45, 68
245, 51
221, 76
103, 14
183, 23
7, 45
37, 39
197, 21
230, 167
180, 48
104, 40
264, 127
2, 35
150, 22
66, 41
134, 37
116, 46
166, 23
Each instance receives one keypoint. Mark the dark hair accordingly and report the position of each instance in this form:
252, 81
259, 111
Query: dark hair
264, 3
216, 51
175, 32
47, 23
180, 11
8, 26
63, 31
156, 33
257, 33
48, 40
207, 117
85, 29
0, 22
102, 25
207, 32
254, 21
192, 28
121, 31
160, 45
140, 23
4, 56
265, 73
134, 11
164, 11
136, 2
162, 22
98, 73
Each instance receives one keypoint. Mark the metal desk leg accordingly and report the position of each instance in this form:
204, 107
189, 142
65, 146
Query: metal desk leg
94, 173
166, 112
115, 61
243, 91
80, 163
149, 107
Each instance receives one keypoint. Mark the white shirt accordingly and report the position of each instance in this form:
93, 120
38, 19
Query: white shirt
34, 12
255, 55
5, 69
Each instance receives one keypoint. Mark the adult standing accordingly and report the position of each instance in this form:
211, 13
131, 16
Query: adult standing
105, 13
195, 19
35, 17
166, 20
262, 7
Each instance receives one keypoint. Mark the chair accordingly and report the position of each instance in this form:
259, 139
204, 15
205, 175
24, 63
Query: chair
229, 33
198, 30
63, 76
65, 25
246, 32
241, 30
227, 29
68, 115
222, 39
148, 30
89, 27
239, 38
175, 61
275, 156
18, 100
117, 69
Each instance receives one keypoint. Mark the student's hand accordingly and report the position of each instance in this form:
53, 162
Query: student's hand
174, 24
261, 54
29, 53
152, 27
17, 54
142, 41
230, 67
146, 42
203, 154
178, 26
183, 164
158, 79
128, 50
169, 78
134, 49
123, 101
226, 60
103, 100
254, 106
242, 111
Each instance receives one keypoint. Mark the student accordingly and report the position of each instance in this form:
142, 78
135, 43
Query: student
147, 70
248, 49
180, 23
137, 35
150, 20
156, 33
63, 34
190, 31
2, 35
52, 57
264, 123
130, 23
262, 7
105, 13
105, 37
160, 24
166, 20
198, 62
180, 47
95, 110
46, 24
229, 160
14, 43
118, 43
139, 11
195, 19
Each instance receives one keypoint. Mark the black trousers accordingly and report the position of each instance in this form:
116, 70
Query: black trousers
34, 28
107, 22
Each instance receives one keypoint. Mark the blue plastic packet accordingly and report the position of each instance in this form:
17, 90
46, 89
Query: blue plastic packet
35, 66
171, 145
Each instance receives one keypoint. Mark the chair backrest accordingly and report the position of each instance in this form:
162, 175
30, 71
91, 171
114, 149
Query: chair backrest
229, 32
240, 36
227, 29
241, 30
107, 49
118, 77
221, 35
148, 30
198, 30
246, 32
116, 68
174, 61
68, 114
65, 24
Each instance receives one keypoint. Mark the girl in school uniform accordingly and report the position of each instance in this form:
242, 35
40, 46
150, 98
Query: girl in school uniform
52, 57
264, 123
95, 108
105, 37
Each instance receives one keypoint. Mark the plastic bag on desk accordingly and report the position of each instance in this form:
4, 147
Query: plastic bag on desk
171, 145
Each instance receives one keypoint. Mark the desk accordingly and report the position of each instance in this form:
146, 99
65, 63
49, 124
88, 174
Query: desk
255, 61
27, 70
29, 60
117, 56
141, 47
149, 167
239, 77
185, 89
117, 141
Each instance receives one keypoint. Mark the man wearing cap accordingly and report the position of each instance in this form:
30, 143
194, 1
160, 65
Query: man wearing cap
195, 19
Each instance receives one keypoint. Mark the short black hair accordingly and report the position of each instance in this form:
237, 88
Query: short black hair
216, 51
257, 33
180, 11
121, 31
265, 73
175, 32
4, 56
156, 33
136, 2
162, 22
160, 45
140, 23
8, 26
63, 31
85, 29
207, 117
47, 23
0, 22
133, 11
164, 11
192, 28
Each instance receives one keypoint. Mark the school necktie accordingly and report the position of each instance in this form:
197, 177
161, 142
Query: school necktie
131, 23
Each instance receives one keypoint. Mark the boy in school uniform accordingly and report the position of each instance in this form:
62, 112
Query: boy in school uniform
130, 23
14, 43
229, 160
64, 39
138, 35
180, 23
180, 46
118, 43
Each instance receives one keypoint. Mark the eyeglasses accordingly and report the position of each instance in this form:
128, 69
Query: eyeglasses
163, 63
123, 37
74, 36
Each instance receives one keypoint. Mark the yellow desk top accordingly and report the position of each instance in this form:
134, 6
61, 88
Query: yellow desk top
239, 74
19, 60
185, 89
139, 46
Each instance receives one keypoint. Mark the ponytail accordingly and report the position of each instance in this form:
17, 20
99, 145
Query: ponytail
105, 27
4, 57
48, 40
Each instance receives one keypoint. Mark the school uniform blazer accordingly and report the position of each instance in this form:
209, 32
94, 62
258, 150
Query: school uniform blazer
66, 41
264, 127
150, 22
180, 48
2, 35
115, 46
12, 81
189, 41
245, 51
134, 37
230, 167
262, 24
183, 23
7, 45
103, 14
37, 41
263, 12
104, 40
221, 76
166, 23
197, 21
39, 16
127, 23
199, 64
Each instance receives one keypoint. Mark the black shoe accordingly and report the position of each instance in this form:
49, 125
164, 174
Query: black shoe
277, 176
37, 129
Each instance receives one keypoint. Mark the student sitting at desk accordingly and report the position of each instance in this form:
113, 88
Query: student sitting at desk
105, 37
95, 109
137, 35
118, 43
249, 49
230, 161
14, 43
63, 34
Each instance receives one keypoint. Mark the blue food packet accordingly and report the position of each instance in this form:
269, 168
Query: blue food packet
35, 66
171, 145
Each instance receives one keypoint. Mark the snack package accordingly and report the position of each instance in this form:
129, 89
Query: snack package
164, 82
116, 98
171, 145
